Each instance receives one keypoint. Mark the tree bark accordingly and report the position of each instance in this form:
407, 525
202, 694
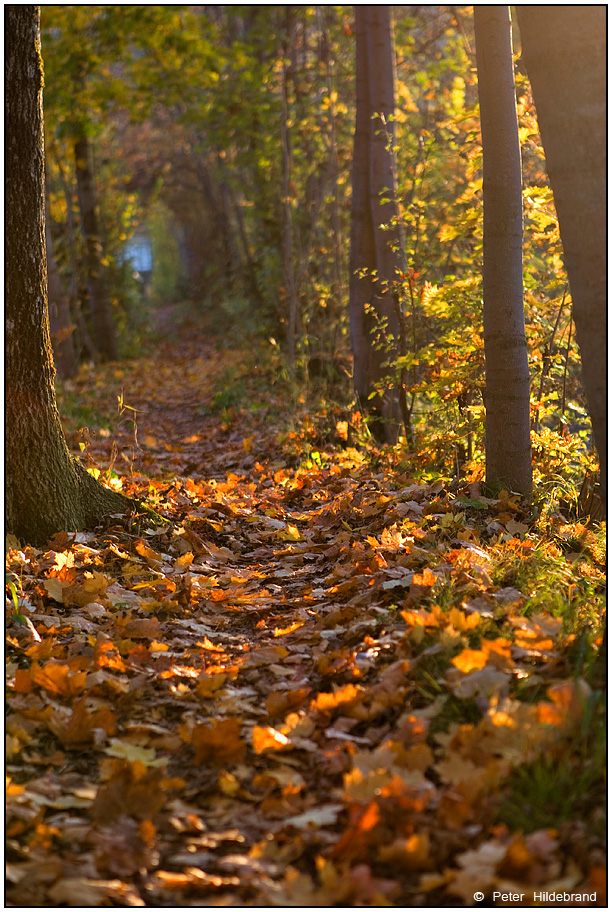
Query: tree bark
287, 236
507, 426
564, 49
102, 321
61, 324
373, 262
84, 345
47, 491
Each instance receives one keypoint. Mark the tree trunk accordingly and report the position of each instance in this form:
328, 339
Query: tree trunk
61, 324
84, 345
102, 321
564, 49
373, 264
249, 273
47, 491
287, 236
507, 431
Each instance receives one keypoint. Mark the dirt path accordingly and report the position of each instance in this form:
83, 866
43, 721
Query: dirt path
298, 691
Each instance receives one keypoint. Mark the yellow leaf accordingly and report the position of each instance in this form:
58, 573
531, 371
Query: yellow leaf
290, 533
55, 588
228, 783
281, 631
461, 621
132, 752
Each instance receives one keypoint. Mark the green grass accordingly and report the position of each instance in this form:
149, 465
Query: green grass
454, 712
565, 785
77, 413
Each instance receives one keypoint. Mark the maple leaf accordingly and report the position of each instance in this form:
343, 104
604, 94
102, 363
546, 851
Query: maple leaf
78, 729
131, 791
58, 679
218, 744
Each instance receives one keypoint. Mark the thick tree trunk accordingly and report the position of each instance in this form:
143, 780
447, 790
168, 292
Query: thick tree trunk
46, 489
373, 264
102, 321
564, 49
507, 429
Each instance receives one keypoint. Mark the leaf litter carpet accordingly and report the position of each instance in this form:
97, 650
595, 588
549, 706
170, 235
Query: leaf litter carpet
301, 689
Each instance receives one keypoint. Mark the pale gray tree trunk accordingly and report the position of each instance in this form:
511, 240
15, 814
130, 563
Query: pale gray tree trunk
564, 49
47, 491
507, 427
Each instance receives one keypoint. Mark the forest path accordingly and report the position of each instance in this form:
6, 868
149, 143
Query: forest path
299, 690
178, 415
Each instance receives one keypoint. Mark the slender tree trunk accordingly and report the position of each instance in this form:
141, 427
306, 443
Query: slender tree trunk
85, 345
507, 428
338, 286
287, 237
61, 324
47, 491
373, 263
564, 48
248, 271
101, 316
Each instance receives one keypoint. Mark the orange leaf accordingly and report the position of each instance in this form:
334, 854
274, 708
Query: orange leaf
266, 738
107, 656
170, 880
327, 701
219, 744
56, 679
77, 731
23, 681
470, 659
208, 684
426, 578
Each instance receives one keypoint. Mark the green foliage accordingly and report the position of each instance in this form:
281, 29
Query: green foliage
228, 133
168, 273
77, 413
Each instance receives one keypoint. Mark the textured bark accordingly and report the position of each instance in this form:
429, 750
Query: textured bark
46, 489
102, 321
507, 430
373, 173
564, 49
